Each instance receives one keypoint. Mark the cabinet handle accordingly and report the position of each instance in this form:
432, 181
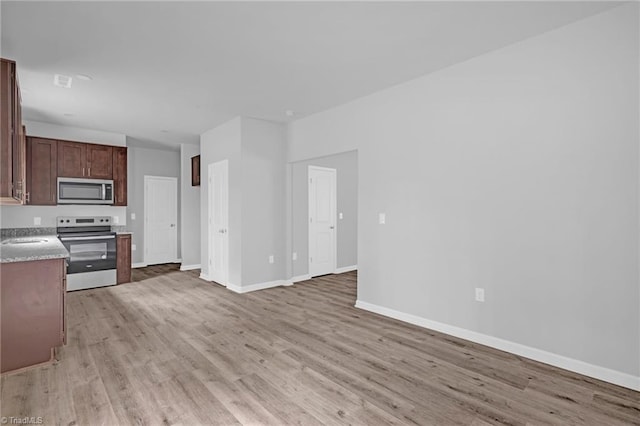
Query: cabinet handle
83, 171
89, 174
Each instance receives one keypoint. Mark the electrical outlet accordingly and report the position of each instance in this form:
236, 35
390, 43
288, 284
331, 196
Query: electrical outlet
340, 216
479, 294
271, 260
294, 256
133, 247
133, 216
37, 220
116, 219
382, 218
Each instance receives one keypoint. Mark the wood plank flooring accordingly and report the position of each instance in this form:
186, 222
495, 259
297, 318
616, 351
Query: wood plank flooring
173, 349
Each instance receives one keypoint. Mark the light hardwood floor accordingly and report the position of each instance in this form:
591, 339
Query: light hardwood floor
173, 349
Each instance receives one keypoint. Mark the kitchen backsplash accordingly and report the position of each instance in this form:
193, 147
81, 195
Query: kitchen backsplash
27, 216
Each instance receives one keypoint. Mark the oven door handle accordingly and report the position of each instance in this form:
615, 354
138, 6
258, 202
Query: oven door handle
104, 237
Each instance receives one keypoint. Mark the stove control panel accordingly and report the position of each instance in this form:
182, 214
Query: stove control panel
83, 220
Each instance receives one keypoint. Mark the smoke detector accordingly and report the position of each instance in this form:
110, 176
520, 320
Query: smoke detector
62, 81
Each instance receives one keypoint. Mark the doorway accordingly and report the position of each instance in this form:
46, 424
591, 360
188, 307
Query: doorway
218, 212
160, 220
322, 220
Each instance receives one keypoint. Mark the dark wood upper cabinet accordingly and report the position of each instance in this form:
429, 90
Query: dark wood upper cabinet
99, 161
195, 171
120, 175
72, 159
12, 137
85, 160
42, 171
7, 80
48, 159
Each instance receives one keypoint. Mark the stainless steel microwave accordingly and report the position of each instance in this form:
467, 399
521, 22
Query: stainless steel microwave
84, 191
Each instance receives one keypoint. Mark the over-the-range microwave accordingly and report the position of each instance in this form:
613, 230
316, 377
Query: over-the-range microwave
84, 191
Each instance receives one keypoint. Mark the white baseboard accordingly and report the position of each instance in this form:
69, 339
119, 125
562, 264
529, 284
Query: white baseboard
145, 264
258, 286
206, 277
344, 269
581, 367
299, 278
189, 267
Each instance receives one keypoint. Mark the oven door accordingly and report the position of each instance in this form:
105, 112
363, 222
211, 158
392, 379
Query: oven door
90, 253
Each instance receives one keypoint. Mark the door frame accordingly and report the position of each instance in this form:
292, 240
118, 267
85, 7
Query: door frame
210, 230
334, 213
146, 180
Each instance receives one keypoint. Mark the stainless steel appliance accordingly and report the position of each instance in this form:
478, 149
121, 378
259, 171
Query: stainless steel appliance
92, 251
84, 191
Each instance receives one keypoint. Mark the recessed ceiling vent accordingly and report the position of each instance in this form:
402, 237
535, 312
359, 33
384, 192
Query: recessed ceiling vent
62, 81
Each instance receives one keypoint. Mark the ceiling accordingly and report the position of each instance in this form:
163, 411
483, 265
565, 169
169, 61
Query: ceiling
168, 71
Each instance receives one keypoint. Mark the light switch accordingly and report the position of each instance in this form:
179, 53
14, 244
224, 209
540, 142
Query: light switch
116, 219
340, 216
382, 218
133, 247
37, 220
133, 216
294, 256
271, 260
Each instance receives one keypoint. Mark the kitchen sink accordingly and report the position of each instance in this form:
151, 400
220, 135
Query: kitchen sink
25, 241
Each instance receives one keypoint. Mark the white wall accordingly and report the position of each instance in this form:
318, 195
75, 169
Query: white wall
220, 143
255, 150
54, 131
263, 203
346, 165
517, 172
151, 162
189, 209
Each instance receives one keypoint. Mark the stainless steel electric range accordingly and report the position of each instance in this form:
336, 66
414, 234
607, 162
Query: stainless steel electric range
92, 251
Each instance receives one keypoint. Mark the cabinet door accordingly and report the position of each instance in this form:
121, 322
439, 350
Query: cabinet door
19, 151
7, 129
123, 255
42, 171
120, 176
99, 161
31, 314
72, 159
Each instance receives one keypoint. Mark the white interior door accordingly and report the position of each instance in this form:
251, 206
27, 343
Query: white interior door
161, 219
219, 222
322, 220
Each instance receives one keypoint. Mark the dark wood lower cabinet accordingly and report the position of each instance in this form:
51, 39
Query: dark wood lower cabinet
123, 255
32, 297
